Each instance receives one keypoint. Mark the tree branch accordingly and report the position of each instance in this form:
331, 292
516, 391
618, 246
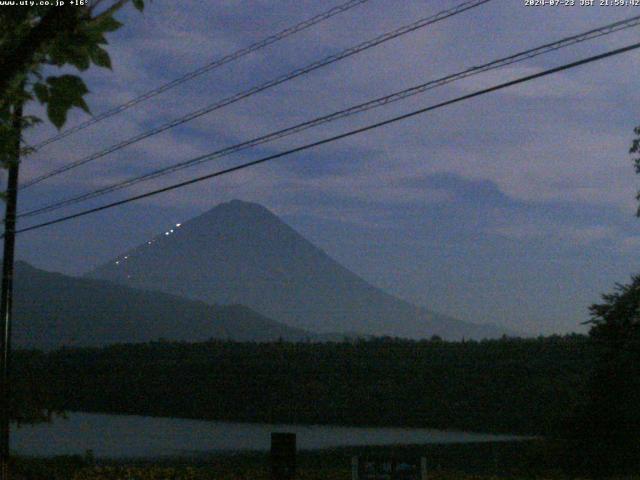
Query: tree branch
112, 9
15, 59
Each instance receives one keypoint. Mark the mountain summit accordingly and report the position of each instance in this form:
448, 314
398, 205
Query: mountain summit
241, 253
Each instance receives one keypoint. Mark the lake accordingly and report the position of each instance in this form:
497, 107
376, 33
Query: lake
121, 436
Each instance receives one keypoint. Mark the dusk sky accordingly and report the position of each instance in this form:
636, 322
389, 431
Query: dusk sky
515, 208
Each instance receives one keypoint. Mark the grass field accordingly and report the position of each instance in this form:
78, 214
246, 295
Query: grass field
527, 459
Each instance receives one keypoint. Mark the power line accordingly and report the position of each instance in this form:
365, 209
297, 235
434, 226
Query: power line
337, 137
385, 100
287, 32
262, 87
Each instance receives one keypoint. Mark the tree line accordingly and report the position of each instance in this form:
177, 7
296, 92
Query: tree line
523, 386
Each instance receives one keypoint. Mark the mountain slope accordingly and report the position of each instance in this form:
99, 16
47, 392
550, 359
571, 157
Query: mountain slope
240, 252
53, 310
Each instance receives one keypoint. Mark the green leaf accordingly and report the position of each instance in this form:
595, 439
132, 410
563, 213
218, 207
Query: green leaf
138, 4
100, 57
57, 54
107, 24
79, 57
65, 92
57, 112
69, 85
42, 92
82, 104
30, 120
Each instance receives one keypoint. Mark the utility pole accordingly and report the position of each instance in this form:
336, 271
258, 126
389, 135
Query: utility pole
7, 292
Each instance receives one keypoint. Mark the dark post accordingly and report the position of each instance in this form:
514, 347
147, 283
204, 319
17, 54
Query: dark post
7, 290
283, 456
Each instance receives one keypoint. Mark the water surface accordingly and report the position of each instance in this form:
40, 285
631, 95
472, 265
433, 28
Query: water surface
121, 436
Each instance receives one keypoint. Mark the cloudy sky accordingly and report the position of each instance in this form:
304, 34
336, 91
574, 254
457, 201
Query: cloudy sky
515, 208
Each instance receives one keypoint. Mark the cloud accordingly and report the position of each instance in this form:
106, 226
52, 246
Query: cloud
539, 171
571, 234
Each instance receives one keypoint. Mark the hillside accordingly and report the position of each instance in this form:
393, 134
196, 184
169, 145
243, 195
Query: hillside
52, 310
241, 253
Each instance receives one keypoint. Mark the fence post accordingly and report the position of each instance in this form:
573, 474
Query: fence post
283, 456
354, 468
423, 468
496, 460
